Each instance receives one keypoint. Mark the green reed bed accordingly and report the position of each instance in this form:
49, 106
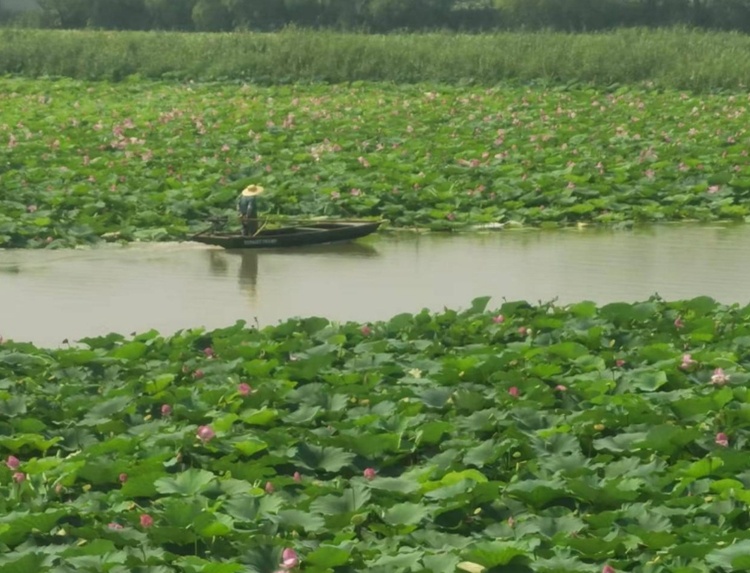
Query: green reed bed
677, 58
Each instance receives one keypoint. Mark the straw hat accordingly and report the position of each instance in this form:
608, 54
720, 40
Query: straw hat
252, 190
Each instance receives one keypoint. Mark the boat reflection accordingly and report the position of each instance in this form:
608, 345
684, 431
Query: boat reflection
248, 276
219, 260
218, 263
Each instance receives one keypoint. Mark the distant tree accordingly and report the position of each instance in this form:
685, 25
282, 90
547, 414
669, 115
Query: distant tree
585, 15
257, 14
119, 14
171, 14
387, 15
345, 14
657, 13
412, 14
67, 13
211, 16
724, 14
307, 13
474, 15
532, 14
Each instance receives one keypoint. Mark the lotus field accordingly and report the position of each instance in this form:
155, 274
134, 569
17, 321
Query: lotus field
85, 162
528, 438
520, 439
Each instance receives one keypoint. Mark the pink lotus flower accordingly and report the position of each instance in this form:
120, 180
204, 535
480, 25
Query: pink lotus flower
513, 391
244, 389
19, 477
12, 462
369, 473
714, 189
269, 488
365, 330
297, 477
123, 477
205, 433
209, 352
523, 331
608, 569
114, 525
166, 410
687, 361
561, 388
146, 520
499, 319
619, 363
722, 439
719, 377
198, 374
678, 323
289, 559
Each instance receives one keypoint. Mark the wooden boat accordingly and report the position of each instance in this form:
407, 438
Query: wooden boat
310, 233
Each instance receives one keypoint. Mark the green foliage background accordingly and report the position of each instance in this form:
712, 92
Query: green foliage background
384, 15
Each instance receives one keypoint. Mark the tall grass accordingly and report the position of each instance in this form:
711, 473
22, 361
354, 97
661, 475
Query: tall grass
674, 58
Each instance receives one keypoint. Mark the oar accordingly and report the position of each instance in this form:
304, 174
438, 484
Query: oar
211, 228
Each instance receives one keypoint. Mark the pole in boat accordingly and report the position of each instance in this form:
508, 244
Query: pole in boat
247, 206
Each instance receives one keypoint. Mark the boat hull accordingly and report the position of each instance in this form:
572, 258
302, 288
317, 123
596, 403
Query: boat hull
298, 236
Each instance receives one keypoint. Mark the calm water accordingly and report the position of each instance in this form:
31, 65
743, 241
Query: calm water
47, 296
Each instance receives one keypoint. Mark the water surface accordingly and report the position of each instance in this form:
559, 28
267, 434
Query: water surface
48, 296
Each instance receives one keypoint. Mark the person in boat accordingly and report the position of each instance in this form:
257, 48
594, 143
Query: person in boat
247, 205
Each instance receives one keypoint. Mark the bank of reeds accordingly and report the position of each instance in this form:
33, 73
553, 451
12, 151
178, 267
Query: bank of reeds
674, 58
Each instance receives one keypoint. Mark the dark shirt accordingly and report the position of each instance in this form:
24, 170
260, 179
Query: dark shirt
247, 206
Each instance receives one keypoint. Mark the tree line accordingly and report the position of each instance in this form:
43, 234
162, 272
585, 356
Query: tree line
380, 15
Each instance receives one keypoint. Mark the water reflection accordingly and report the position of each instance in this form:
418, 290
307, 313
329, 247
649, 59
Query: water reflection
218, 264
249, 273
249, 260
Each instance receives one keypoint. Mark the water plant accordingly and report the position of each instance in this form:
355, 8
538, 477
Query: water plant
401, 448
85, 162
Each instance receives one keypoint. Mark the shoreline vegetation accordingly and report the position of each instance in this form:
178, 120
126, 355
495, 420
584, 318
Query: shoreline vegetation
678, 58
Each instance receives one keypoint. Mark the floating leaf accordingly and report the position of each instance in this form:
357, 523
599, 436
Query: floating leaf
406, 514
294, 518
493, 553
734, 557
330, 459
328, 556
189, 482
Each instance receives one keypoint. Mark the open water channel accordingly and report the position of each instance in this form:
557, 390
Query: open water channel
47, 296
